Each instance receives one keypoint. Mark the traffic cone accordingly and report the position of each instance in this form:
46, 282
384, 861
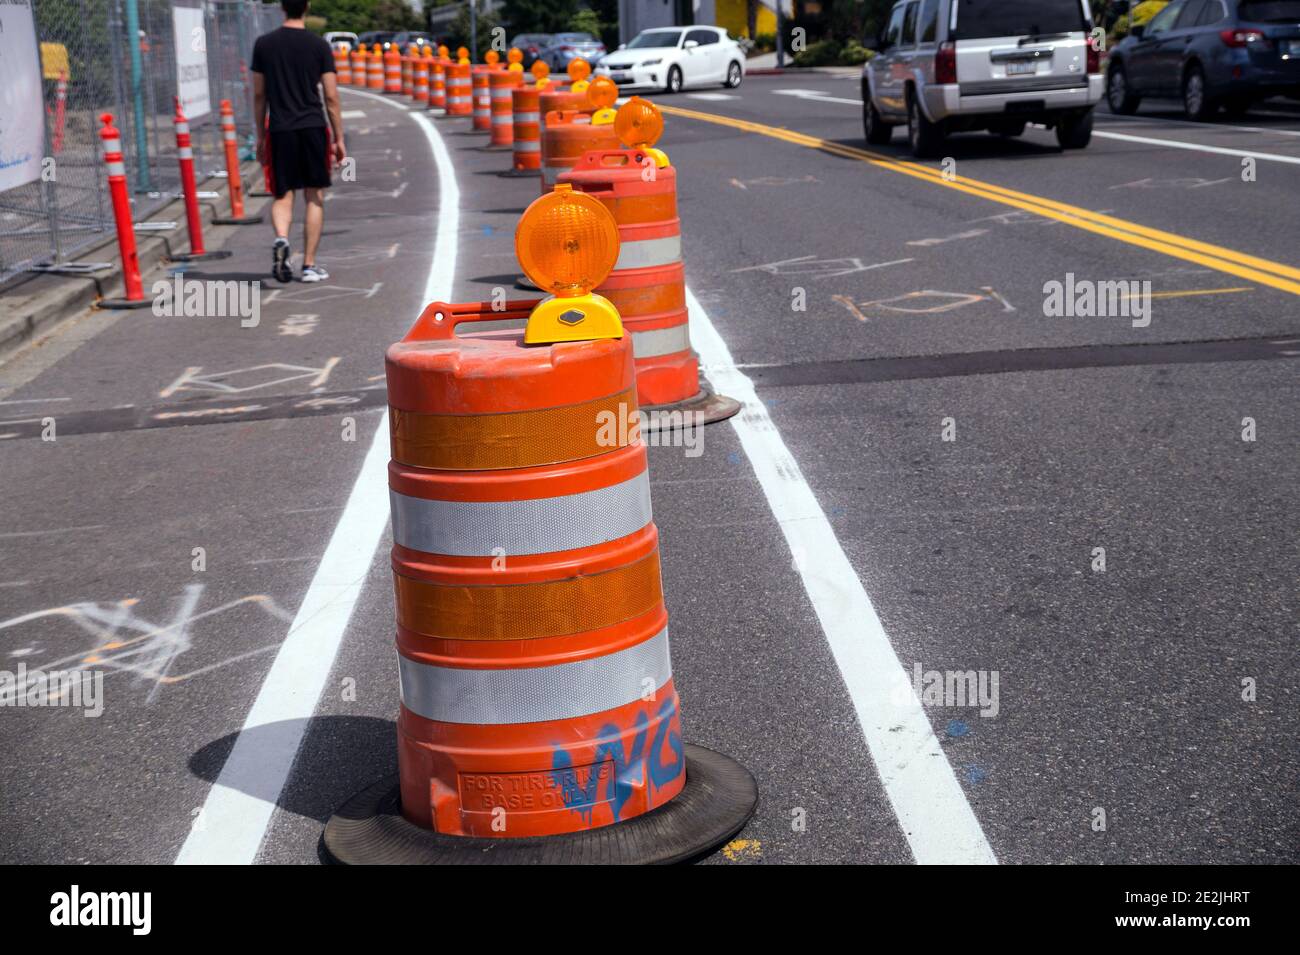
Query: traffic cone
538, 722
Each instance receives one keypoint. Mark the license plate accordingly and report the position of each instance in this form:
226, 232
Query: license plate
620, 77
1021, 67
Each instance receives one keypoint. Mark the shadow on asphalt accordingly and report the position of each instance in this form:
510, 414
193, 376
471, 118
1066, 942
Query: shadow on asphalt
340, 756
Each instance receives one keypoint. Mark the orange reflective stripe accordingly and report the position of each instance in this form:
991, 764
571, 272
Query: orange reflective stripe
530, 611
519, 439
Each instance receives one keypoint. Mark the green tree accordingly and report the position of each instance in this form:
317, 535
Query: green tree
539, 16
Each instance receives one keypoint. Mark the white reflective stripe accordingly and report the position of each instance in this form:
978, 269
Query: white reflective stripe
228, 135
644, 253
182, 128
536, 526
499, 120
458, 99
500, 93
117, 168
661, 341
112, 146
527, 117
185, 152
527, 146
535, 694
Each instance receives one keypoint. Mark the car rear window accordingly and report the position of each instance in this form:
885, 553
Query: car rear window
1270, 11
978, 19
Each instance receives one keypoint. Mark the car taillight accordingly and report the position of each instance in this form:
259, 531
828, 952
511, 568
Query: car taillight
945, 64
1241, 38
566, 49
1094, 58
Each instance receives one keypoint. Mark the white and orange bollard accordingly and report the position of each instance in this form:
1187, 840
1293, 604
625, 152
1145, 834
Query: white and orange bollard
189, 192
132, 284
538, 720
234, 176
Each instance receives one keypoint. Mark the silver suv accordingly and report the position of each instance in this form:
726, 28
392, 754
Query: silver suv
945, 66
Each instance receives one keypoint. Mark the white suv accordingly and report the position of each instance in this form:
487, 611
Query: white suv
945, 66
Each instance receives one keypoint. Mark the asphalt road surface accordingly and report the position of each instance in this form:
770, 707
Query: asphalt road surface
924, 479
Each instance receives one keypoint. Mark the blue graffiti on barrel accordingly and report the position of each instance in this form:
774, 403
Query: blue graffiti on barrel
582, 793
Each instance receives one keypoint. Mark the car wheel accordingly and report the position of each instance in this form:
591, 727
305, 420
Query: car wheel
674, 84
1074, 131
1196, 100
874, 128
1119, 95
734, 75
925, 137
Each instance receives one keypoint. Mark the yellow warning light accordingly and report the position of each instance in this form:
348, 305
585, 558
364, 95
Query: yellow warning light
443, 51
638, 125
567, 243
462, 54
579, 69
379, 49
515, 55
491, 58
601, 94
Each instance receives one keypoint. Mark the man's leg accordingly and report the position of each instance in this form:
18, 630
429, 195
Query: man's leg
282, 215
312, 224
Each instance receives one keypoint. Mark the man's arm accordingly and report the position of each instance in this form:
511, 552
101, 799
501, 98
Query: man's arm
334, 109
259, 114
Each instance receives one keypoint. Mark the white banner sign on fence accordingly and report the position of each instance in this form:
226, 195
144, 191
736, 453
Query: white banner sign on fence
22, 125
191, 61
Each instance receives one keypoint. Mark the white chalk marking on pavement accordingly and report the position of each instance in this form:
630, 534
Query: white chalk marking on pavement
1198, 147
240, 805
931, 808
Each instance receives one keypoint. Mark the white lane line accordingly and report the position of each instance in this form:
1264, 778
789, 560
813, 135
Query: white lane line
1198, 147
711, 97
240, 805
817, 95
353, 114
931, 808
1218, 127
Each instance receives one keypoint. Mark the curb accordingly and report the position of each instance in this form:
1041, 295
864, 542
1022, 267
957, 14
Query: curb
820, 70
35, 306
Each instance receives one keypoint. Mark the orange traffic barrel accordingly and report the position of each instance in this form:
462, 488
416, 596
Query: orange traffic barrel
527, 130
359, 58
408, 77
342, 65
560, 100
459, 96
420, 78
501, 83
482, 98
565, 137
439, 79
392, 70
375, 71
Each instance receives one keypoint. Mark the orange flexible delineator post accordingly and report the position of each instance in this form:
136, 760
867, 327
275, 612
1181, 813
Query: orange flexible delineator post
501, 84
538, 709
567, 135
115, 166
234, 176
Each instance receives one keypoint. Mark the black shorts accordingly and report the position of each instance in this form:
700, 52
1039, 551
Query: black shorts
299, 159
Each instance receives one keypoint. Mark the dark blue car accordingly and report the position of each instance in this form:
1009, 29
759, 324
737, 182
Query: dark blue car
1212, 53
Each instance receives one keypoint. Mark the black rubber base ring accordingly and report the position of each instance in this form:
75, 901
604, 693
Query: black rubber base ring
718, 799
521, 174
122, 303
712, 407
242, 220
202, 256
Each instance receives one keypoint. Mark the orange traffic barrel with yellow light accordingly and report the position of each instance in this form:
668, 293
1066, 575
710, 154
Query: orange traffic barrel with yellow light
459, 96
555, 99
538, 718
420, 63
527, 131
342, 64
501, 83
482, 98
565, 137
375, 72
392, 70
359, 62
439, 82
540, 74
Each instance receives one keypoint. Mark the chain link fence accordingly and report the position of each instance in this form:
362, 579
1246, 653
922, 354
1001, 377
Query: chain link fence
120, 57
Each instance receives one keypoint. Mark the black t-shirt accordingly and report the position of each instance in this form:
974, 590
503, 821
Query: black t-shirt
291, 62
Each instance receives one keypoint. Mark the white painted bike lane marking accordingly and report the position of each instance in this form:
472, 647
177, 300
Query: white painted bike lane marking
931, 807
240, 805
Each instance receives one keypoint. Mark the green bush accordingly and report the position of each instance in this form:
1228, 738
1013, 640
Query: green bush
855, 54
830, 52
764, 43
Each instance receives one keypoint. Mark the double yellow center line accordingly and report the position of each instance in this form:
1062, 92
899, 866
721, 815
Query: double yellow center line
1265, 272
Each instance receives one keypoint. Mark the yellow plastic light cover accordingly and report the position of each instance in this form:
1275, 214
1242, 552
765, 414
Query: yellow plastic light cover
579, 69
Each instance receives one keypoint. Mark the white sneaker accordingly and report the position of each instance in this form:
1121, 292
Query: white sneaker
314, 273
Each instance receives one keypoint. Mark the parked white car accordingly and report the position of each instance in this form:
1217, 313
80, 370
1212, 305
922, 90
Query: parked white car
674, 58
